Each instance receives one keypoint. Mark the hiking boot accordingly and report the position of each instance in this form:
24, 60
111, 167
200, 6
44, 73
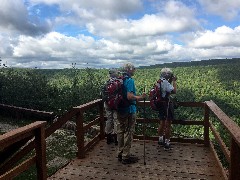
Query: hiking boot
115, 139
161, 143
119, 157
167, 147
109, 138
130, 159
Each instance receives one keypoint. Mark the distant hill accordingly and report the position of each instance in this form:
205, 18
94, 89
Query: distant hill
193, 63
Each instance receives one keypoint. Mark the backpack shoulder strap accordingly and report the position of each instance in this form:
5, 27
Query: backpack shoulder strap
160, 86
159, 82
125, 78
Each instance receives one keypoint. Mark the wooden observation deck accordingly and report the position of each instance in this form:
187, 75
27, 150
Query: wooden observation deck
189, 158
184, 161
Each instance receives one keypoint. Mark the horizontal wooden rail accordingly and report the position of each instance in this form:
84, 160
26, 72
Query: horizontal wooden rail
173, 139
44, 114
220, 142
91, 143
12, 149
92, 123
11, 137
182, 122
184, 104
37, 130
60, 121
223, 170
18, 169
89, 105
228, 123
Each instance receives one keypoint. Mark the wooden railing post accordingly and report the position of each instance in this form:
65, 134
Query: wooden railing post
234, 169
80, 135
41, 163
206, 126
101, 111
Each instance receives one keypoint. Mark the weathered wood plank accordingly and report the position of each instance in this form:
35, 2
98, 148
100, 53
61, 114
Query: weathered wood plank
184, 161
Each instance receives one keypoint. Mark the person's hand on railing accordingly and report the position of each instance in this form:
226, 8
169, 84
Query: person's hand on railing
144, 96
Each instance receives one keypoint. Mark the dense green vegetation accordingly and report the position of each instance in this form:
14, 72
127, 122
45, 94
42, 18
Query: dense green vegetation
59, 90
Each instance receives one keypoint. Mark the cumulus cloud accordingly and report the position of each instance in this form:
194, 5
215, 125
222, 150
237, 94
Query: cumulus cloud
95, 8
14, 18
173, 17
226, 9
6, 48
108, 33
222, 36
83, 50
53, 45
109, 18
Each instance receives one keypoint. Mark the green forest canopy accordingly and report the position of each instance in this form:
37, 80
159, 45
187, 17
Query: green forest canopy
58, 90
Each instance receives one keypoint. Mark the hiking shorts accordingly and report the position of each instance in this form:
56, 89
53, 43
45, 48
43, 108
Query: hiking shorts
166, 112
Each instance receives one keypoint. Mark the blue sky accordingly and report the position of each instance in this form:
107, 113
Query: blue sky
108, 33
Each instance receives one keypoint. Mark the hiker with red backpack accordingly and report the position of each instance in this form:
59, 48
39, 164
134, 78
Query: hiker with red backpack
127, 116
111, 113
160, 101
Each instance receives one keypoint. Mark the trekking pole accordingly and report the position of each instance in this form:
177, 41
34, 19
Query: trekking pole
144, 125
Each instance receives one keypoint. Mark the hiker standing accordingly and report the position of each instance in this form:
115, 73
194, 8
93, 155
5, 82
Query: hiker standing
127, 116
166, 111
111, 114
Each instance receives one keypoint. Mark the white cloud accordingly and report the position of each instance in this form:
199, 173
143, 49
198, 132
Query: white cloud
52, 45
6, 47
226, 9
15, 19
108, 33
222, 36
108, 18
173, 17
82, 49
95, 8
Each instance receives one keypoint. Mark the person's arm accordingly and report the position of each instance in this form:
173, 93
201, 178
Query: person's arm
130, 92
132, 97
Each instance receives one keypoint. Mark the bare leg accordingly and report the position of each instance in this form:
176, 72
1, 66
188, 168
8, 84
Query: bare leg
161, 128
168, 129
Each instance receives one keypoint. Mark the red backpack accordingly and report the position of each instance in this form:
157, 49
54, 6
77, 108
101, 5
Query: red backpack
114, 94
155, 96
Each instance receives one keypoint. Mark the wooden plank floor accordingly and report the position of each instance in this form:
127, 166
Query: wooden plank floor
184, 161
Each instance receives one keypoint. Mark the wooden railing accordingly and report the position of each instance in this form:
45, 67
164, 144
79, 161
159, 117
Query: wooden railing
232, 155
82, 147
32, 130
181, 122
20, 112
24, 147
78, 112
